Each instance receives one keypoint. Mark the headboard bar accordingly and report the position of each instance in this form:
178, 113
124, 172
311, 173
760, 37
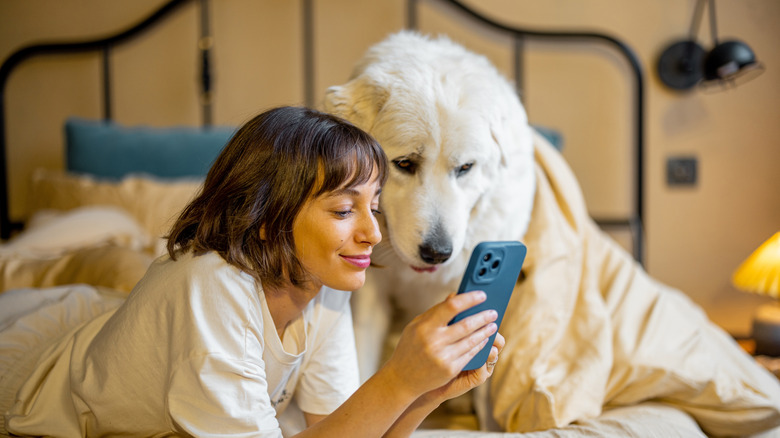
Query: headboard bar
205, 44
104, 46
307, 24
518, 58
107, 113
635, 222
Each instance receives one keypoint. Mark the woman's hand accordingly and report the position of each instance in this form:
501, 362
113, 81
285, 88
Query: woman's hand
431, 354
468, 380
426, 365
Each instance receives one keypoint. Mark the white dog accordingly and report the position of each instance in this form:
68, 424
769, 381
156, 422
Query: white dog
461, 172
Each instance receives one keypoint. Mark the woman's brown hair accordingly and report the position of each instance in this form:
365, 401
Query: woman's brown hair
262, 178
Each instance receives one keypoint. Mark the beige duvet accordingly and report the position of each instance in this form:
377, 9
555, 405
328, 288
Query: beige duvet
588, 329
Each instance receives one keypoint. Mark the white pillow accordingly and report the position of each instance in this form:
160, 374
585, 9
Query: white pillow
51, 233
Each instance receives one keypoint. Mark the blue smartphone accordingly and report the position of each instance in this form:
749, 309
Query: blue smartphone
493, 268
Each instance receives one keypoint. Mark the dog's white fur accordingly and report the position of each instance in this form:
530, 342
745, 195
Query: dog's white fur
452, 116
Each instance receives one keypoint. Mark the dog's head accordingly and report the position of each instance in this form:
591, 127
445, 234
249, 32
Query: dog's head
459, 144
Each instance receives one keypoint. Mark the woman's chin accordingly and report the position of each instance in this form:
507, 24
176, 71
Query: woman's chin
350, 284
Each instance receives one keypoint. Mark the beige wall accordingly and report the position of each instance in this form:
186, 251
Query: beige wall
695, 236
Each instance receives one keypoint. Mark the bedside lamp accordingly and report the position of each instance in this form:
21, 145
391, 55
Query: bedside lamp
760, 273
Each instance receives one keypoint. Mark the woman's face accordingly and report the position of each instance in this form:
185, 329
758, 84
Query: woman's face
334, 234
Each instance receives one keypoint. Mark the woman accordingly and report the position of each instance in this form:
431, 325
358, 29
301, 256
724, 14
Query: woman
247, 313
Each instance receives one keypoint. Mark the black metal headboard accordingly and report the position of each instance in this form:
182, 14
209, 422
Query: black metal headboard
104, 46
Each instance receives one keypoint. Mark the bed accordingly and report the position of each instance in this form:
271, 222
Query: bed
92, 228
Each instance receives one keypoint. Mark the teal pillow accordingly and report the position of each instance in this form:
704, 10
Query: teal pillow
552, 135
109, 150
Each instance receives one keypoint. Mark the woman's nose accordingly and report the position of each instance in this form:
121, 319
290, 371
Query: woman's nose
370, 232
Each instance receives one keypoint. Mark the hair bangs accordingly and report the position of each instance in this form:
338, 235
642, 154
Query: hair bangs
351, 162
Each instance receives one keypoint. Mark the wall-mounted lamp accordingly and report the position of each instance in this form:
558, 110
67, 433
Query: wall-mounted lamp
685, 64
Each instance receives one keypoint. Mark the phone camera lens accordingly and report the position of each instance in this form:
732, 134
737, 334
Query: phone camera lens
482, 272
487, 257
495, 264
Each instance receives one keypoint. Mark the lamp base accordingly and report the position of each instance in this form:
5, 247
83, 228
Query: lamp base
766, 330
680, 66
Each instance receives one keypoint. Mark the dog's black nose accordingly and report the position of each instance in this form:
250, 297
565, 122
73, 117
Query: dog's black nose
437, 247
434, 256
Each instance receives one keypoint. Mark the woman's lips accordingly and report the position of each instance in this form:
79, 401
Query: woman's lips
361, 261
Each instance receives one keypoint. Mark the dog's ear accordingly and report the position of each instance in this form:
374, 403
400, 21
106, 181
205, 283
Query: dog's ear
500, 137
513, 136
358, 101
509, 127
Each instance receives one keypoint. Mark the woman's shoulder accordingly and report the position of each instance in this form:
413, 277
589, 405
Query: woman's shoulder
195, 277
201, 266
191, 258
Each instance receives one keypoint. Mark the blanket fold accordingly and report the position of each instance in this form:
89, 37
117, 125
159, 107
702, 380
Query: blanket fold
588, 328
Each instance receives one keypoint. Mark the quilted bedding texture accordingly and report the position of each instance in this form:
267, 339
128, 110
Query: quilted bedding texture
588, 329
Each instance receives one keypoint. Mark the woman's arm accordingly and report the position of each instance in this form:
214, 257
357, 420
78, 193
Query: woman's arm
428, 358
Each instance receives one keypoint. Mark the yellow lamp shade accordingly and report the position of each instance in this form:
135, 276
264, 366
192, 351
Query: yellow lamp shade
760, 272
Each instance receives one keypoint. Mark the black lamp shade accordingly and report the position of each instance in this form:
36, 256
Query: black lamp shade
727, 59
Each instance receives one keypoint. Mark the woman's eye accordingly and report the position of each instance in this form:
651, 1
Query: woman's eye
464, 169
405, 165
375, 212
342, 213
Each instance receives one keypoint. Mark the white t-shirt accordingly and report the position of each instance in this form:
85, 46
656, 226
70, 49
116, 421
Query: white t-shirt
193, 351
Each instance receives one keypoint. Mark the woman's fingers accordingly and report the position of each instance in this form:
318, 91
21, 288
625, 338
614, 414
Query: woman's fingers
456, 303
470, 345
492, 358
471, 323
467, 380
495, 350
442, 313
466, 337
499, 342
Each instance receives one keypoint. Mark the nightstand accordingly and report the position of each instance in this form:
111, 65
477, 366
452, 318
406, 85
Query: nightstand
769, 362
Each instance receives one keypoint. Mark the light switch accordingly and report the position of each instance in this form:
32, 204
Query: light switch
681, 171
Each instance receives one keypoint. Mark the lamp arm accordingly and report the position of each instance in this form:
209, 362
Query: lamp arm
696, 20
713, 24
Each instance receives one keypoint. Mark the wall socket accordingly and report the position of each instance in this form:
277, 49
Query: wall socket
681, 171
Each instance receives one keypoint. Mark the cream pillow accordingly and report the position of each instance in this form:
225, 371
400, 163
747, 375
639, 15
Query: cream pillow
153, 202
96, 245
110, 266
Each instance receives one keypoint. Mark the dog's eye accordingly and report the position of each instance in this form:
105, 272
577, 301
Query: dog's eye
464, 169
405, 165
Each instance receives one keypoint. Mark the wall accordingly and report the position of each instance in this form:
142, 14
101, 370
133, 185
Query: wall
695, 236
